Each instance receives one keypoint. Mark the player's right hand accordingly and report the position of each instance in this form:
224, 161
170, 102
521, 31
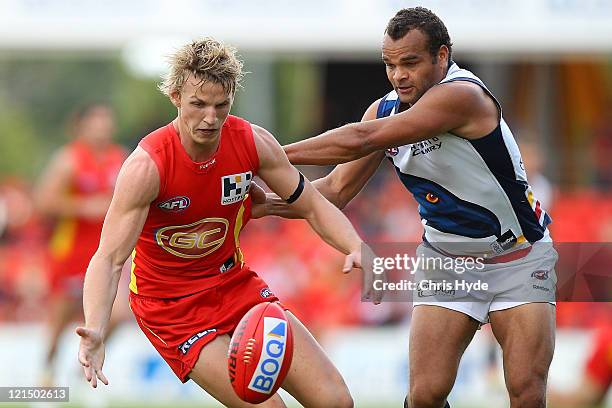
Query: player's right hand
91, 355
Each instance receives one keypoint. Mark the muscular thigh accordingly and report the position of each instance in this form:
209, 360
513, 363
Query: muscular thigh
210, 373
312, 379
526, 334
438, 338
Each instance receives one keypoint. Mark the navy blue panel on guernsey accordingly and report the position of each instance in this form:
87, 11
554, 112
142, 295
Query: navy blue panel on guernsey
446, 212
494, 152
385, 107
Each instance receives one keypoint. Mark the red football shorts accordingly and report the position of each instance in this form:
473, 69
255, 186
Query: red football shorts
180, 327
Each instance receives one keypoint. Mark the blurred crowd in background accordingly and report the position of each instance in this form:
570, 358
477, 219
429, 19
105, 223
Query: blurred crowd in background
300, 268
560, 110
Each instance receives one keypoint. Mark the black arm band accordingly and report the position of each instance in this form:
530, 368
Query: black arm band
298, 191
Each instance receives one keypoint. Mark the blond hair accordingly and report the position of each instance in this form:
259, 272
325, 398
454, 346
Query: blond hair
208, 60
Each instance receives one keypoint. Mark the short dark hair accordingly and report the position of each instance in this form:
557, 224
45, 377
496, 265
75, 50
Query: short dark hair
425, 20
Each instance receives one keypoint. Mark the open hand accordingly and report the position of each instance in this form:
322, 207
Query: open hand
354, 260
91, 355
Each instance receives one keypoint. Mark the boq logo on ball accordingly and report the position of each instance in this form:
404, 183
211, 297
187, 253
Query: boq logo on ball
260, 353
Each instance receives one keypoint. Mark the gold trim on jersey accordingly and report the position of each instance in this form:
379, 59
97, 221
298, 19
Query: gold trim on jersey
152, 332
133, 285
237, 228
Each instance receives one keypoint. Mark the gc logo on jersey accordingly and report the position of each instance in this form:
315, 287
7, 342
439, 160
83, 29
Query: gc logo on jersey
234, 187
195, 240
272, 354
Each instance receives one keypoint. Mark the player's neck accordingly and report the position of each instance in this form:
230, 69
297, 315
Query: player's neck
197, 152
403, 106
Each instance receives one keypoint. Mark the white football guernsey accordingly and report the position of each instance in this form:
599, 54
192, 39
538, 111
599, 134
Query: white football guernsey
470, 191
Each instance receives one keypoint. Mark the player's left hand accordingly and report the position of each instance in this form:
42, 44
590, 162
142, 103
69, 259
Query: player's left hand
258, 195
269, 204
355, 260
258, 199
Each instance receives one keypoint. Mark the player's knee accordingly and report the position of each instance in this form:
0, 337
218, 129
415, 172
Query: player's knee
336, 396
428, 395
345, 401
528, 392
529, 399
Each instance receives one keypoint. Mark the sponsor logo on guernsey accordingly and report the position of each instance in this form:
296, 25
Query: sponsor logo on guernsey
195, 240
175, 204
272, 354
426, 146
542, 288
234, 187
504, 243
227, 265
184, 348
205, 166
540, 275
425, 292
266, 293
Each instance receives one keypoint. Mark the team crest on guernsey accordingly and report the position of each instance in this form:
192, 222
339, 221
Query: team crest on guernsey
394, 151
234, 187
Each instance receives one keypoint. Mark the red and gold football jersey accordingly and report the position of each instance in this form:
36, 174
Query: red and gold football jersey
190, 236
75, 239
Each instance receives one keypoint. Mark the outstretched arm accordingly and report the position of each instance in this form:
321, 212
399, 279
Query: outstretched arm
461, 108
348, 179
327, 220
137, 186
339, 187
283, 179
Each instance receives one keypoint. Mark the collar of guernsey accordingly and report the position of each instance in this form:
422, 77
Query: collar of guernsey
192, 228
473, 195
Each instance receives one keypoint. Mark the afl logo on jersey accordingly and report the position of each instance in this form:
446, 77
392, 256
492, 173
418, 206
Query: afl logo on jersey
394, 151
175, 204
195, 240
234, 187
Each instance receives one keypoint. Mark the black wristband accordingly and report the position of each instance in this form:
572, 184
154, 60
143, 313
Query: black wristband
298, 191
